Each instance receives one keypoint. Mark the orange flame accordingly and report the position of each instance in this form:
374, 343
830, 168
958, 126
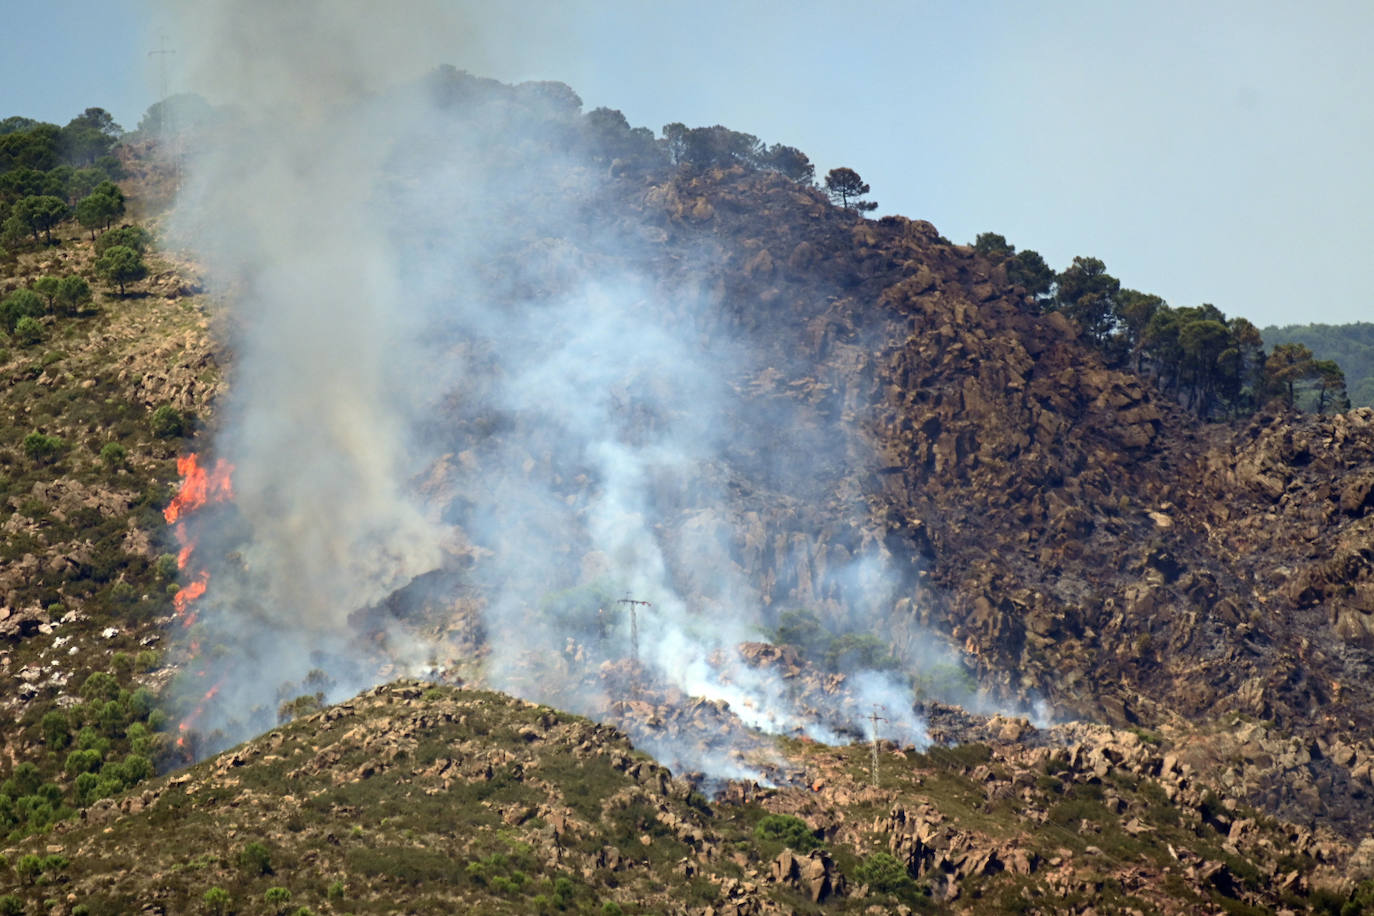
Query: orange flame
190, 592
198, 486
189, 722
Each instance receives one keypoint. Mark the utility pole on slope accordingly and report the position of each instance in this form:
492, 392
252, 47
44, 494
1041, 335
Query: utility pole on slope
634, 605
875, 719
161, 55
165, 128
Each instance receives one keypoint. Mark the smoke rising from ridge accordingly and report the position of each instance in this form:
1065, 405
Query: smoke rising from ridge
470, 381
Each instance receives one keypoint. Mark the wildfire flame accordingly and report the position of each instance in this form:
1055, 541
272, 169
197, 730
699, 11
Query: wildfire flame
188, 593
187, 723
199, 485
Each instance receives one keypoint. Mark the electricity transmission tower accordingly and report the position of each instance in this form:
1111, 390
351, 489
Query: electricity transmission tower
161, 54
875, 719
166, 128
634, 606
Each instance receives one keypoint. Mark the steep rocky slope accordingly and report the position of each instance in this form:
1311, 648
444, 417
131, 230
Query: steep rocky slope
1088, 541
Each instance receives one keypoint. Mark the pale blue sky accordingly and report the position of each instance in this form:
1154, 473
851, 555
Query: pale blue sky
1209, 152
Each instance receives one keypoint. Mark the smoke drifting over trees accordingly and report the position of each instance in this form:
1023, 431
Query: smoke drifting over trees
463, 387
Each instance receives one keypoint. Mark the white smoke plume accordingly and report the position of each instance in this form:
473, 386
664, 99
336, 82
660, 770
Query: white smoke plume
457, 384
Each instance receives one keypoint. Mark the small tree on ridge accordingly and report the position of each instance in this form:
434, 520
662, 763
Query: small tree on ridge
845, 187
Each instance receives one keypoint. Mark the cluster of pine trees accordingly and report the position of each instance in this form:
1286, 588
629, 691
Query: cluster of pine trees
1212, 364
51, 174
1349, 345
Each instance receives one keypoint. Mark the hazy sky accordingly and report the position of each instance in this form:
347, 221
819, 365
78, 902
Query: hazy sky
1208, 152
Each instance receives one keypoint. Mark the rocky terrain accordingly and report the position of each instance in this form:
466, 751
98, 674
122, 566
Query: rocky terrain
452, 799
1189, 606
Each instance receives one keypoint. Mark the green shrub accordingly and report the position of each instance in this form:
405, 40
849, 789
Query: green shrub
135, 768
859, 650
140, 741
114, 455
29, 867
883, 873
88, 738
301, 706
100, 685
25, 780
135, 237
47, 288
800, 628
28, 331
56, 729
42, 448
120, 265
167, 422
563, 892
792, 832
166, 566
72, 293
122, 663
22, 303
141, 700
276, 897
11, 905
256, 859
217, 901
84, 787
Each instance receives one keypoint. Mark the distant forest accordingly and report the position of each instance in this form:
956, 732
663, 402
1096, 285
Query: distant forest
1350, 345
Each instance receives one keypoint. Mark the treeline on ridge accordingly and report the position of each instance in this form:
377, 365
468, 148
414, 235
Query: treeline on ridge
1350, 345
1211, 364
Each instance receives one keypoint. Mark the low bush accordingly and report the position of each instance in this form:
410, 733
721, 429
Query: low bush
255, 859
792, 832
28, 331
167, 422
883, 873
43, 448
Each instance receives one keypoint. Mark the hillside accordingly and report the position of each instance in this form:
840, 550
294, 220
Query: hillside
1122, 656
455, 800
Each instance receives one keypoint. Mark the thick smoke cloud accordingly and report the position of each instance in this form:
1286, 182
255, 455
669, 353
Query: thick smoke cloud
466, 400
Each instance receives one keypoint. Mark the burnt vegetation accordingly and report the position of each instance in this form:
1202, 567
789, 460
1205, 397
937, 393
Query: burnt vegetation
1126, 462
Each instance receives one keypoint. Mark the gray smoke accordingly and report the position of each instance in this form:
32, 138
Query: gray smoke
463, 389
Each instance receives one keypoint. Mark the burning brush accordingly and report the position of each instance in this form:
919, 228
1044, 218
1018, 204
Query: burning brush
199, 486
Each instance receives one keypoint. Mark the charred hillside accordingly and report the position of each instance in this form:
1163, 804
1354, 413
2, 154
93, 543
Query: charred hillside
710, 386
1088, 541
